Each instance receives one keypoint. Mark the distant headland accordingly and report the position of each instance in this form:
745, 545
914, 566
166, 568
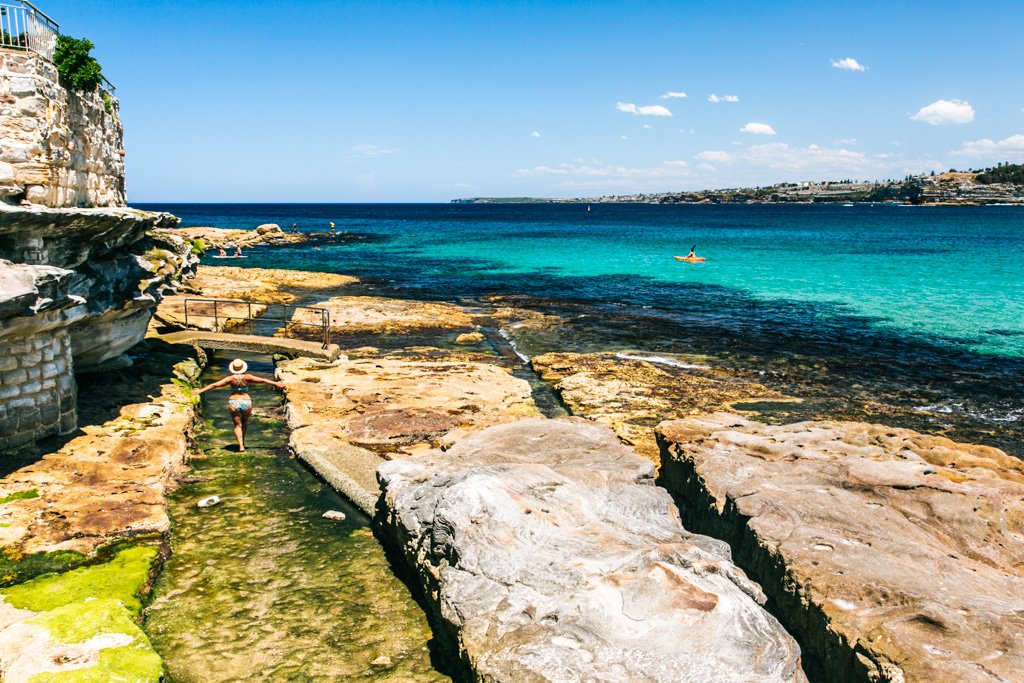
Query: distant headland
1001, 184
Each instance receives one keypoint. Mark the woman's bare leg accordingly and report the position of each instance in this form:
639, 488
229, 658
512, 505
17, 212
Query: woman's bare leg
239, 417
245, 424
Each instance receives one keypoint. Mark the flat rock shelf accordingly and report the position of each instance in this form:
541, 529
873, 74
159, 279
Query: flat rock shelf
260, 586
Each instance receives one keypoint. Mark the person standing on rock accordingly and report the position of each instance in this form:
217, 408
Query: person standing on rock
240, 403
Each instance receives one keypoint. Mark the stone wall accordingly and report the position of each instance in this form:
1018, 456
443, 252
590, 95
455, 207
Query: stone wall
57, 148
37, 389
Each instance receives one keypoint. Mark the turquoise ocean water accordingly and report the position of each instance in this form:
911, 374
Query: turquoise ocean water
921, 305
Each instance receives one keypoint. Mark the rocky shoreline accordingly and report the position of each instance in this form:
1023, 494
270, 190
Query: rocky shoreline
542, 547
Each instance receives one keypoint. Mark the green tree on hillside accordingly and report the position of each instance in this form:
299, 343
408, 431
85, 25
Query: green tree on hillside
1004, 173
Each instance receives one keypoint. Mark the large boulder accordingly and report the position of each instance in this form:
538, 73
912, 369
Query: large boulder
546, 554
892, 555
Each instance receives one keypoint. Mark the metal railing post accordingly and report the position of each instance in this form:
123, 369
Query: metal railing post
186, 312
216, 320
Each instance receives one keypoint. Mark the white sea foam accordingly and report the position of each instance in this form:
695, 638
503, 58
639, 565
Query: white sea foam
663, 361
522, 356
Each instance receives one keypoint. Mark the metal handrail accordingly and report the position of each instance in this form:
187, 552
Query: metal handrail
324, 324
23, 26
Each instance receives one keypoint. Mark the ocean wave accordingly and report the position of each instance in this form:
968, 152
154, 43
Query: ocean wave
660, 360
958, 408
515, 349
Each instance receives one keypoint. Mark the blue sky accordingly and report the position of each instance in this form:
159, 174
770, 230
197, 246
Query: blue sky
427, 101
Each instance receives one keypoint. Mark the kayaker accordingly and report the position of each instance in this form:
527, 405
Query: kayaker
693, 252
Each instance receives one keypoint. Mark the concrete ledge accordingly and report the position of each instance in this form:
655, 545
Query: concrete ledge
255, 344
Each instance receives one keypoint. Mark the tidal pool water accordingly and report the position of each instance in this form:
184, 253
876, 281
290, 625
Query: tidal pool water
261, 587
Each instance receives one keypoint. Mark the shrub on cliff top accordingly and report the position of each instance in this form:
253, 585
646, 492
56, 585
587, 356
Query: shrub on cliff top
77, 68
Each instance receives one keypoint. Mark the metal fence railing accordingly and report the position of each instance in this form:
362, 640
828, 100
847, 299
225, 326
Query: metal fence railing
232, 313
23, 26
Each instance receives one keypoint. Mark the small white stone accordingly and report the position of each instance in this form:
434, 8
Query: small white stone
208, 501
334, 514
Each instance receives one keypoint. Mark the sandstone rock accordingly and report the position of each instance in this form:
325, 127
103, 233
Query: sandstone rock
546, 555
892, 555
348, 416
215, 238
267, 285
377, 315
632, 391
67, 238
105, 485
469, 338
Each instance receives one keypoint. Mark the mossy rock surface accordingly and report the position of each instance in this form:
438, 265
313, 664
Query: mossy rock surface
120, 579
131, 659
88, 615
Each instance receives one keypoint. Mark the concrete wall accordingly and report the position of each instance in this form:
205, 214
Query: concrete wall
57, 148
37, 389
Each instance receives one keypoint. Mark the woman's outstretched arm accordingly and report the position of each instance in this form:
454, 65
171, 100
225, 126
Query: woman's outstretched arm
260, 380
214, 385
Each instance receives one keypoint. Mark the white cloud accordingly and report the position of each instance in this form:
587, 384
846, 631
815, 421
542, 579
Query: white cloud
722, 98
373, 150
755, 128
945, 111
670, 95
1007, 149
715, 156
771, 162
647, 125
624, 137
648, 110
846, 142
597, 175
535, 134
848, 64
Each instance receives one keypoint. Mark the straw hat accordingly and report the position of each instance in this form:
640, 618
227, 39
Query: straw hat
238, 366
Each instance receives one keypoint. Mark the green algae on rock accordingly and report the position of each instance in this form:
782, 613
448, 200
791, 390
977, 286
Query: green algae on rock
79, 626
121, 579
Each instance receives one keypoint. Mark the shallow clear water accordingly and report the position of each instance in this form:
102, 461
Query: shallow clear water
955, 273
909, 316
261, 587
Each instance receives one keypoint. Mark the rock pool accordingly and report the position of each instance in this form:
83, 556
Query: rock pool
260, 586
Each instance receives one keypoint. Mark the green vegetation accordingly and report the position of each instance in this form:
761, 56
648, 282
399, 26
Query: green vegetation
19, 495
101, 600
78, 622
15, 567
198, 247
1004, 173
122, 578
77, 68
108, 105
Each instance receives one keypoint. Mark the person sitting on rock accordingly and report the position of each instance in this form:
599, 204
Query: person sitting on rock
240, 403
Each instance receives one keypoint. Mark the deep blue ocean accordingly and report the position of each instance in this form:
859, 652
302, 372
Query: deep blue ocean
921, 308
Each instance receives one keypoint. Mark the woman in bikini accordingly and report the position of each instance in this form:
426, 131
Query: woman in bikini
240, 403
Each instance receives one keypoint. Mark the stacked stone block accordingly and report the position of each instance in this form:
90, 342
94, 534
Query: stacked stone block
37, 388
57, 148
